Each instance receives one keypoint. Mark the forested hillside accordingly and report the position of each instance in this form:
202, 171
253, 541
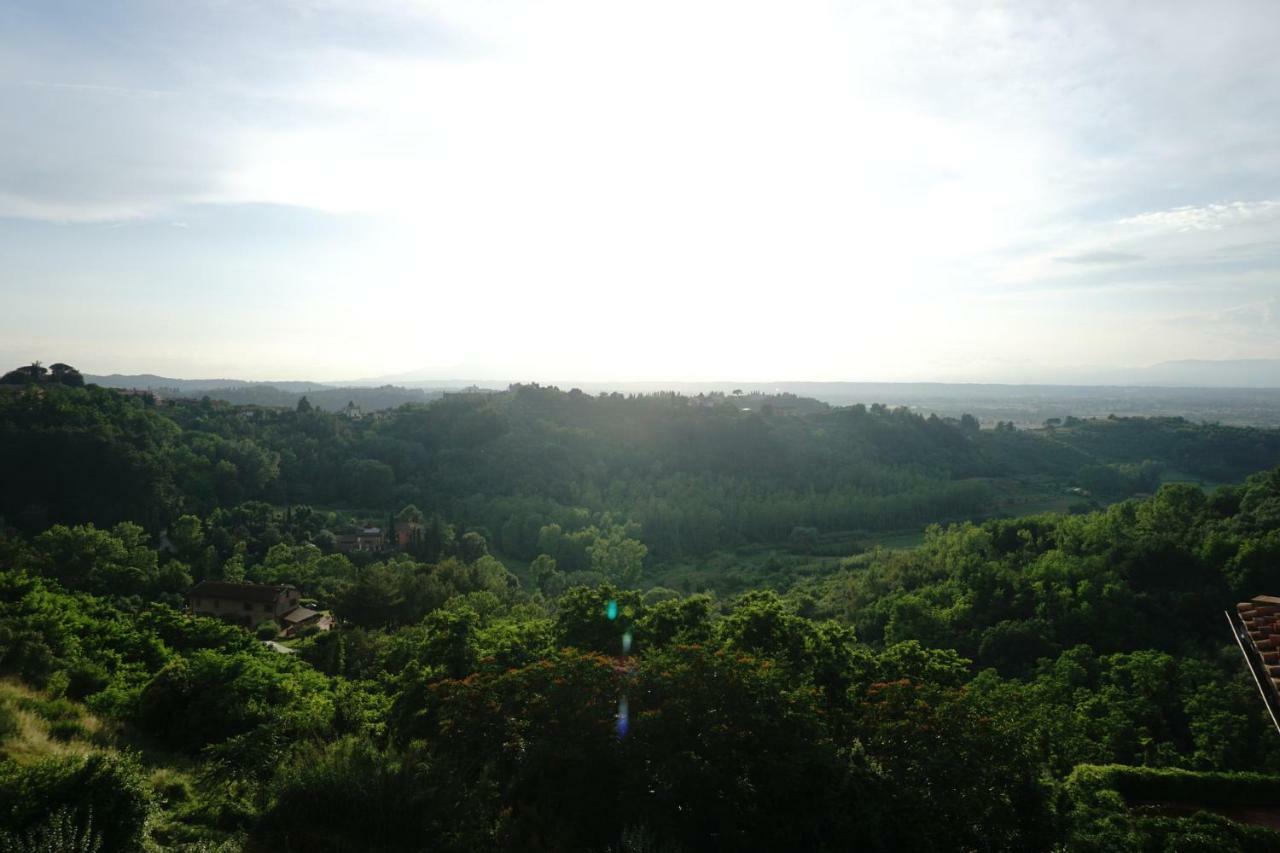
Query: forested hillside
695, 473
271, 394
512, 679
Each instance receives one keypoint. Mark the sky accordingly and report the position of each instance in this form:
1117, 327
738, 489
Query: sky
596, 190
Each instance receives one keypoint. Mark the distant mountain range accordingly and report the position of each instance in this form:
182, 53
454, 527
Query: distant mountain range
274, 394
149, 381
1233, 373
1242, 391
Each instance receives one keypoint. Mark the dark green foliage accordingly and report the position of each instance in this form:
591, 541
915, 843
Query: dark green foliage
368, 482
8, 721
1120, 480
67, 730
466, 703
692, 477
208, 697
107, 796
60, 833
596, 618
1156, 784
675, 620
721, 743
1137, 575
450, 641
37, 374
960, 761
349, 798
402, 592
760, 623
73, 455
51, 710
717, 745
1119, 807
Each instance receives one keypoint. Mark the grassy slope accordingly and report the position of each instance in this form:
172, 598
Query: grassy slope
180, 820
33, 741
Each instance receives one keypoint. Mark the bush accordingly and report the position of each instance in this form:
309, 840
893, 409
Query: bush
1151, 784
267, 630
348, 796
8, 721
104, 793
59, 833
85, 678
65, 730
1204, 832
51, 710
659, 593
207, 697
171, 786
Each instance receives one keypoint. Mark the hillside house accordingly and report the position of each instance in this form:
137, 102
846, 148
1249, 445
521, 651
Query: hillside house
251, 604
370, 539
406, 532
302, 617
1257, 629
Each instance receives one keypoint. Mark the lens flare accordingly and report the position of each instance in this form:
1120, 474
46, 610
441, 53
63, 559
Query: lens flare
611, 610
624, 718
626, 643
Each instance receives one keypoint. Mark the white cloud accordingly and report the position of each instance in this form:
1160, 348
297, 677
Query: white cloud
1239, 331
1209, 217
825, 189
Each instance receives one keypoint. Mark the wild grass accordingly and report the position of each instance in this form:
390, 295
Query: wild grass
33, 735
35, 726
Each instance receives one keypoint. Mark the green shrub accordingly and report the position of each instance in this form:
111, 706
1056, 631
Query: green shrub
659, 593
117, 700
1099, 801
218, 809
1204, 832
172, 787
107, 790
8, 721
209, 697
57, 683
348, 796
66, 730
85, 677
61, 832
208, 847
267, 630
1152, 784
51, 710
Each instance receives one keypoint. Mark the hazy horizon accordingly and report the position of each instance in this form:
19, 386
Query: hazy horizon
878, 191
1189, 375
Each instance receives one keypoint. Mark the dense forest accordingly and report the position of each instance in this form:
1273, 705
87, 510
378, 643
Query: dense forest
513, 678
696, 474
330, 399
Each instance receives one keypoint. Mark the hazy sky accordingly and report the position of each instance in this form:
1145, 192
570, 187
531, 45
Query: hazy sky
643, 190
